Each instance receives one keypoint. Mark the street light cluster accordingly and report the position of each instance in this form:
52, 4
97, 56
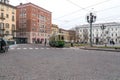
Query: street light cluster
90, 19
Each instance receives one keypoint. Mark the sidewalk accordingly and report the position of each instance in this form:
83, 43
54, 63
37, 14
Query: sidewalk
95, 47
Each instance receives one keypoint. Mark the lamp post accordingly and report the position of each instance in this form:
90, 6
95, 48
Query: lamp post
90, 19
103, 27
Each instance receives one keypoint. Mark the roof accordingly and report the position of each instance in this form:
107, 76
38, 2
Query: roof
21, 5
99, 24
7, 5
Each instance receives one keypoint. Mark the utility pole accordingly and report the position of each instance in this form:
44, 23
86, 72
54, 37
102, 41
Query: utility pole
90, 19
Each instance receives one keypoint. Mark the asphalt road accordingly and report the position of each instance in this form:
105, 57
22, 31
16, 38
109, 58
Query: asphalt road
36, 62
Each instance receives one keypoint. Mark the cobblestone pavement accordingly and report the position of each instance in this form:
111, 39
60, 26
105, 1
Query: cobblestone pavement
58, 64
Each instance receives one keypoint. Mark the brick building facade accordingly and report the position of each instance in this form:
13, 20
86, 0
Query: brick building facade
33, 23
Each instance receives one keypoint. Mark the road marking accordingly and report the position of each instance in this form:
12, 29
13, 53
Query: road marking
36, 48
12, 48
24, 48
30, 48
41, 48
18, 48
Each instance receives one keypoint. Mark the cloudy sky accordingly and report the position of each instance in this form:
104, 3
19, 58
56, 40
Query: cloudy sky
70, 13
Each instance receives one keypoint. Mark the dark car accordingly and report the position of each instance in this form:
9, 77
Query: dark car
3, 45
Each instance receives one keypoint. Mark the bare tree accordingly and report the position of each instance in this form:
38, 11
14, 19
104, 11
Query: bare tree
85, 35
77, 34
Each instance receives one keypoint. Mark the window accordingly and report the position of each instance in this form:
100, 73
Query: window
33, 29
13, 27
12, 11
2, 15
116, 40
112, 34
2, 8
97, 29
7, 25
42, 18
42, 26
112, 29
1, 25
7, 16
13, 18
97, 35
7, 32
116, 34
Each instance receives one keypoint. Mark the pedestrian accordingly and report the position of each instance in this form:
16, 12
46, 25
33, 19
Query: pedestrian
71, 43
113, 42
3, 45
45, 42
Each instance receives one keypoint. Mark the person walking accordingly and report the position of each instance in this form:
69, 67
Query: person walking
45, 42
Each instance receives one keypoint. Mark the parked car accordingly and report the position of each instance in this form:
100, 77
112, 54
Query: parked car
3, 45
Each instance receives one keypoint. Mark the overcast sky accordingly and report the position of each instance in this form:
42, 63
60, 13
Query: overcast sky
69, 13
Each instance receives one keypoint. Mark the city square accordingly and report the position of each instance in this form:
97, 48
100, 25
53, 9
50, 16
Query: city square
59, 40
37, 62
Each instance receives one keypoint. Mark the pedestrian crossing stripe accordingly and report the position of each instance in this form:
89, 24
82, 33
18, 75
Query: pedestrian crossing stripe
36, 48
30, 48
18, 48
24, 48
12, 48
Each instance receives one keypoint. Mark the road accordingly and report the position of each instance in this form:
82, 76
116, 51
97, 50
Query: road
36, 62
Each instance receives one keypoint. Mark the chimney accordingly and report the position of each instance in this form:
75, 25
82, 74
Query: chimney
20, 3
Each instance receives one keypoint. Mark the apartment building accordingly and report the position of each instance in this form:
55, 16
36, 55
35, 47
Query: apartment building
33, 23
55, 29
64, 34
72, 36
7, 20
111, 32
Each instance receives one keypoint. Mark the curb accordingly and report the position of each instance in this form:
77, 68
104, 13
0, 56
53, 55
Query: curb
100, 49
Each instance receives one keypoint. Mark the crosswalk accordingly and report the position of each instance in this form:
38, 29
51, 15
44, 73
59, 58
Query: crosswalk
42, 48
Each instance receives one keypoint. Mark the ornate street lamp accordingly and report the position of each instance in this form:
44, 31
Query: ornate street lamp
91, 18
103, 27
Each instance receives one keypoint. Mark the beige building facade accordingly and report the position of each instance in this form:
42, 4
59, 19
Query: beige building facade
65, 34
55, 29
62, 34
7, 20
